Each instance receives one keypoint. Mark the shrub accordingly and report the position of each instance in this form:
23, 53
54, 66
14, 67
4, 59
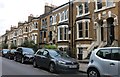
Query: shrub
50, 47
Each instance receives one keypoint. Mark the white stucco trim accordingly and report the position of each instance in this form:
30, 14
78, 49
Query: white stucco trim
82, 45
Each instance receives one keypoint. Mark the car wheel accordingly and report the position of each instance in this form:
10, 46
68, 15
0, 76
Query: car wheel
34, 64
22, 60
52, 67
93, 73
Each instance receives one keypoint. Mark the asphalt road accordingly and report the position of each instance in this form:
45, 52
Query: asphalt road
14, 69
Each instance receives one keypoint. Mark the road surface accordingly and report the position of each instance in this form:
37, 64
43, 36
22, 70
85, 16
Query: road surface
14, 69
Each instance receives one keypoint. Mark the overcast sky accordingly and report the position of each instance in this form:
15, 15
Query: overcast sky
13, 11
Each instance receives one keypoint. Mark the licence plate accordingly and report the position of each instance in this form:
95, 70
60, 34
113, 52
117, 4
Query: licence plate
73, 66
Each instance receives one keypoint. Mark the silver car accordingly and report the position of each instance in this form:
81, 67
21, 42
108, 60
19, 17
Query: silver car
104, 62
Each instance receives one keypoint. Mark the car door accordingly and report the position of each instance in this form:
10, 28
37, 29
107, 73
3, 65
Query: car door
38, 57
115, 61
19, 53
45, 59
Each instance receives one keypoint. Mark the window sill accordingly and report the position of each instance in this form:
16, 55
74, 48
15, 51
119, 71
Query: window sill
83, 14
34, 29
62, 40
84, 39
63, 20
54, 23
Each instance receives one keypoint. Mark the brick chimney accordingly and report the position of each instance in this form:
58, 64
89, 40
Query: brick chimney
20, 24
30, 17
49, 7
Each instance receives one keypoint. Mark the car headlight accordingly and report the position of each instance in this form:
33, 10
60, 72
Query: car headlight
61, 62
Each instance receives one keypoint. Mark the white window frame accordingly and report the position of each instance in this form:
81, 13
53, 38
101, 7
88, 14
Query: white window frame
83, 26
78, 29
51, 20
54, 19
83, 14
34, 26
103, 7
87, 29
63, 27
65, 12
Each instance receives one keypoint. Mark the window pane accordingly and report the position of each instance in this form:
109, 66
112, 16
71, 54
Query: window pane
86, 29
45, 53
60, 33
109, 3
99, 4
51, 20
86, 7
65, 33
104, 53
80, 9
66, 14
62, 16
80, 30
50, 35
44, 34
116, 54
80, 50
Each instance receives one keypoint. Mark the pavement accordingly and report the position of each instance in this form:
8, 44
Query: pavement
83, 65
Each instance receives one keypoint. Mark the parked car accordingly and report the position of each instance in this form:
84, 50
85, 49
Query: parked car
55, 61
4, 52
104, 62
11, 53
23, 54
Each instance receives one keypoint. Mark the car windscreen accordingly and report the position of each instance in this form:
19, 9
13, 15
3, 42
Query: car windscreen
28, 51
57, 53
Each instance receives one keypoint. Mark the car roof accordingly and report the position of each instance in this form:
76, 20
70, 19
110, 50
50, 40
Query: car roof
96, 50
110, 48
23, 47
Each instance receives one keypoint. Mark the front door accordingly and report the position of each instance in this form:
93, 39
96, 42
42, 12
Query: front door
110, 30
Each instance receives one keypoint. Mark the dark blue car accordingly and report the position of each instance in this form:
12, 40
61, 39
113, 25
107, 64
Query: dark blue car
55, 61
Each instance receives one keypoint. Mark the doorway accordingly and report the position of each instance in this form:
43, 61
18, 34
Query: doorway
110, 31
